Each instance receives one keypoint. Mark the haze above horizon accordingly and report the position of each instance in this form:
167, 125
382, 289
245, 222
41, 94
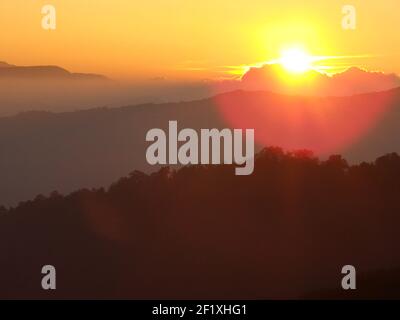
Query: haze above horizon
196, 40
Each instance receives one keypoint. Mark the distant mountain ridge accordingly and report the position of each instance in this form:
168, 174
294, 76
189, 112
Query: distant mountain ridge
44, 72
92, 148
5, 65
53, 88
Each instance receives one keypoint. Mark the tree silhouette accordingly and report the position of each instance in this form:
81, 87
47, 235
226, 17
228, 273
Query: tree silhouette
201, 232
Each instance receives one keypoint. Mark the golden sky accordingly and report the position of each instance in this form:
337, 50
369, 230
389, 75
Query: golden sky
195, 39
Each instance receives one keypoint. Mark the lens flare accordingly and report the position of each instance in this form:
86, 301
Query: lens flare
323, 125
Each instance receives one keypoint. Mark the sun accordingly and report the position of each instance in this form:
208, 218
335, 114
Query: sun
296, 60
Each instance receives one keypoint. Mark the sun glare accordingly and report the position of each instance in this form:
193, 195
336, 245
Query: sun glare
295, 60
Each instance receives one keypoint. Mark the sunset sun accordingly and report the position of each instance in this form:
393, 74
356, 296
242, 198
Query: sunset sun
295, 60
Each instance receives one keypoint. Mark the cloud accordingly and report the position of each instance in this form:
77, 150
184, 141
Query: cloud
272, 77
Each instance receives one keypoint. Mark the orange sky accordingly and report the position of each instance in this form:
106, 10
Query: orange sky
194, 39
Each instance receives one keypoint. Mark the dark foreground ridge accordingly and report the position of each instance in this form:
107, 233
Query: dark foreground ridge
202, 232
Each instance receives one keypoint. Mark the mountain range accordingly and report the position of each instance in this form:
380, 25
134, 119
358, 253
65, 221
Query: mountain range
43, 72
45, 151
53, 88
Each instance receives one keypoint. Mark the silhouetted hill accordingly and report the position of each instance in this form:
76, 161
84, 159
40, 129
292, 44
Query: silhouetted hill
92, 148
202, 232
25, 88
5, 65
56, 89
43, 72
